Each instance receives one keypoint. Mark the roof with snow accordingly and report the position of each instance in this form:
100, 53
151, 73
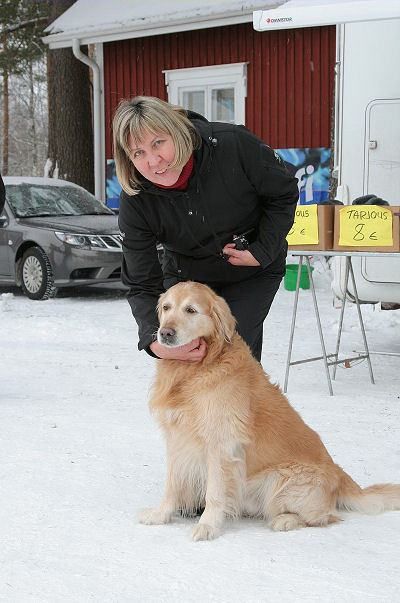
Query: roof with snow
93, 21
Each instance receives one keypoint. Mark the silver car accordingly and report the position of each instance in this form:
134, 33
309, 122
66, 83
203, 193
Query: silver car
54, 234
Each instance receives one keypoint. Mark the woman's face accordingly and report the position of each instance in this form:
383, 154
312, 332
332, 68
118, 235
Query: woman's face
151, 157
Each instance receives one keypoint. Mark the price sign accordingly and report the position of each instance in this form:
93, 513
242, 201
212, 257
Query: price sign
305, 227
365, 226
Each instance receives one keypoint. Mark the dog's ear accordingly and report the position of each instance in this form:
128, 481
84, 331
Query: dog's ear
222, 316
159, 305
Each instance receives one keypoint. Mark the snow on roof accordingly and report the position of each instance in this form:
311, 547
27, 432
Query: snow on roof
105, 20
93, 21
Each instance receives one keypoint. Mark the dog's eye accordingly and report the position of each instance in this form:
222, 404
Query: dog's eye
165, 307
190, 310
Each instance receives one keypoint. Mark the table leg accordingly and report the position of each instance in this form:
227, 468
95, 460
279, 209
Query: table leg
296, 299
319, 325
339, 335
361, 320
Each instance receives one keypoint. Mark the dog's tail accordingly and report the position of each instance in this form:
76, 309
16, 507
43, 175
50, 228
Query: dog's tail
371, 500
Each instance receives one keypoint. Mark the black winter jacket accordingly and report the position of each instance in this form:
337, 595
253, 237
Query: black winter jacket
237, 183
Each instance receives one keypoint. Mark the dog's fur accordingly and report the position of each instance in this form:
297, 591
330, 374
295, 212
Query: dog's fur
234, 443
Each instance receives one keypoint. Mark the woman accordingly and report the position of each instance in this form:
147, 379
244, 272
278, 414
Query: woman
193, 185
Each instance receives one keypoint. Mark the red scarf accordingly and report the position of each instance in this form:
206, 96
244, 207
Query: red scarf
182, 183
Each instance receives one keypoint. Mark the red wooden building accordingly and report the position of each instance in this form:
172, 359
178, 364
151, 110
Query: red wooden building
207, 56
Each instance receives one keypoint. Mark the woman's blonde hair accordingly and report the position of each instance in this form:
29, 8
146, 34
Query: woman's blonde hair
149, 114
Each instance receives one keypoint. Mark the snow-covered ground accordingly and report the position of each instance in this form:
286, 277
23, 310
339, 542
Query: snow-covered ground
79, 455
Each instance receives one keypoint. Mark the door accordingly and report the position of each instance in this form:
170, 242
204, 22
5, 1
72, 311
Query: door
382, 175
383, 150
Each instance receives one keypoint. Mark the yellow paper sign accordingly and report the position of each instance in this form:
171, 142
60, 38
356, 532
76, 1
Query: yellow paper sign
305, 227
365, 226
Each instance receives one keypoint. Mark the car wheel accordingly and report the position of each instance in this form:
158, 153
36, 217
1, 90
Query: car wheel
36, 275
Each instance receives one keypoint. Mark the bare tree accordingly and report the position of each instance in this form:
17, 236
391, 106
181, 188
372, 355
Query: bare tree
27, 138
27, 108
21, 25
6, 118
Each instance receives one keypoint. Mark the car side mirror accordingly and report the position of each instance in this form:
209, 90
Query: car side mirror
3, 221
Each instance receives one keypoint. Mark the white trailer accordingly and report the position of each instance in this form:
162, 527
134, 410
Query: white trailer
367, 115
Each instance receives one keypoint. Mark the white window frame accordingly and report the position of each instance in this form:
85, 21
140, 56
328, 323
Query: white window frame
230, 75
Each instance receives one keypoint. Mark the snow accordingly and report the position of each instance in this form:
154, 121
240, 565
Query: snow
80, 455
136, 14
80, 19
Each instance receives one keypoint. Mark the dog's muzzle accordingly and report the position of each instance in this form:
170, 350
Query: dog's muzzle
167, 336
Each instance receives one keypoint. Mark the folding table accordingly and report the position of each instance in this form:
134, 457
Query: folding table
307, 254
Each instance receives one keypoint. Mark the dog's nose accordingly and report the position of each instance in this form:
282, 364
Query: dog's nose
167, 334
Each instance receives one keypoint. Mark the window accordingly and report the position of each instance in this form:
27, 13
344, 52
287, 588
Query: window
218, 92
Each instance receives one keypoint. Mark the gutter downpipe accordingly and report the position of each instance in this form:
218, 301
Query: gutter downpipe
98, 167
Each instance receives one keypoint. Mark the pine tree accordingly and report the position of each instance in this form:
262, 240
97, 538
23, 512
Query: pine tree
70, 113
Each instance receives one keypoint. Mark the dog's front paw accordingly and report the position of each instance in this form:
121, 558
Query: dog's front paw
153, 517
204, 531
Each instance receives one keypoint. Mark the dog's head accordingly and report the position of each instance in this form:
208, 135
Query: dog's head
190, 310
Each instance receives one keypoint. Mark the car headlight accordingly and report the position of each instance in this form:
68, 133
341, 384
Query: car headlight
95, 241
81, 240
72, 239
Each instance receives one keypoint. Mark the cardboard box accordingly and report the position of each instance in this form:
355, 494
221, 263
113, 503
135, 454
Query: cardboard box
366, 223
325, 217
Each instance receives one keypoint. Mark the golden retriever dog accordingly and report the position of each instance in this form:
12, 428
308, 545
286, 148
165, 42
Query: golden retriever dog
235, 446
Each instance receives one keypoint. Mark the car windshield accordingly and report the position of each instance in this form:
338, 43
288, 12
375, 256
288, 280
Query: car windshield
32, 200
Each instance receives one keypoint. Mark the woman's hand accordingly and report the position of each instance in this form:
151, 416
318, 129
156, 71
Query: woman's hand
239, 258
190, 352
